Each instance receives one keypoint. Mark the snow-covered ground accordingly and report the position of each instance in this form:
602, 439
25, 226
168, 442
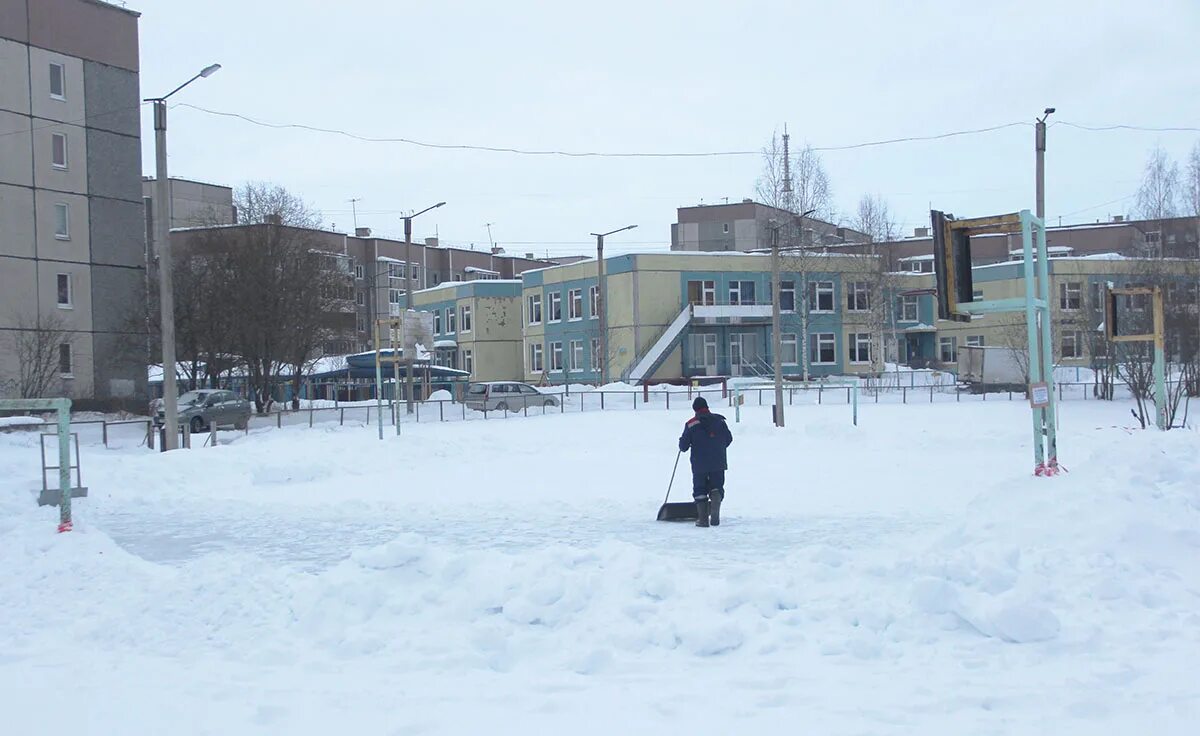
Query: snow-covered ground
905, 576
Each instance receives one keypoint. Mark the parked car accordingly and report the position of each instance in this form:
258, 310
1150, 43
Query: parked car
199, 409
506, 396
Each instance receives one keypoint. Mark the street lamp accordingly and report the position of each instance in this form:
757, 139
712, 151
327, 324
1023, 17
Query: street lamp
162, 237
408, 300
602, 299
776, 316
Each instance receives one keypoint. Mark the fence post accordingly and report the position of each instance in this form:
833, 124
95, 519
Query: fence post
341, 417
635, 400
668, 401
212, 433
957, 394
601, 401
441, 411
645, 394
819, 394
104, 432
904, 394
310, 416
150, 434
847, 394
279, 420
418, 405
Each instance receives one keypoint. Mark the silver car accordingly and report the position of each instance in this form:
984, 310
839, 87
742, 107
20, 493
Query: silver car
200, 409
506, 396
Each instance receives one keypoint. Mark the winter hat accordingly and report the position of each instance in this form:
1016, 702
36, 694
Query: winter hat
699, 404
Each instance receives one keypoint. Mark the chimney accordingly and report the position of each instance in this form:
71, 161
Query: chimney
497, 250
529, 257
747, 201
431, 242
362, 232
921, 232
1118, 218
272, 219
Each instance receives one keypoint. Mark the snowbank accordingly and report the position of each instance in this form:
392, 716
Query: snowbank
20, 422
440, 395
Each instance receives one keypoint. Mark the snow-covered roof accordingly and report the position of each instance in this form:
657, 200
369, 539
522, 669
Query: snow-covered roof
476, 269
444, 344
926, 257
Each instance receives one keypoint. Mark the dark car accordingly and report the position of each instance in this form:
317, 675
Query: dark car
200, 409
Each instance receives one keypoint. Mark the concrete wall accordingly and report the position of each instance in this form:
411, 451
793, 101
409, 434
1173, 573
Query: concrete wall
16, 235
14, 77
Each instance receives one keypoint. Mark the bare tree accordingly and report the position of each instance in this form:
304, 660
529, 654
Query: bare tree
1157, 196
37, 346
796, 184
874, 218
263, 202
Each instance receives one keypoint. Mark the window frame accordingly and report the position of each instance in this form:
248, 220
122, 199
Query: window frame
793, 339
536, 360
59, 280
66, 151
787, 288
973, 341
952, 340
65, 350
553, 301
594, 301
594, 353
60, 96
360, 272
533, 304
468, 360
854, 347
818, 340
707, 290
738, 287
576, 355
575, 304
1064, 296
556, 356
905, 301
1076, 337
855, 290
819, 288
464, 319
65, 209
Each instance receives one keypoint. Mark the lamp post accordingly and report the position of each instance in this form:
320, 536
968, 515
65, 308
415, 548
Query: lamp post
408, 302
1039, 146
162, 238
602, 299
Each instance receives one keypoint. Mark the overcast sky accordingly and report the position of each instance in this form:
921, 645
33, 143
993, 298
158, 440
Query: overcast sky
666, 77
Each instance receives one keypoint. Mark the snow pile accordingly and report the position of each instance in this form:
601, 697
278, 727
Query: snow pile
20, 422
440, 395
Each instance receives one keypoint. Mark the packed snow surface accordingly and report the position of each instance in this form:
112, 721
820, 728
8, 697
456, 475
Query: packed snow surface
905, 576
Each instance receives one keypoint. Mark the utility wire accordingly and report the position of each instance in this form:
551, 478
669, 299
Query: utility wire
1143, 128
580, 154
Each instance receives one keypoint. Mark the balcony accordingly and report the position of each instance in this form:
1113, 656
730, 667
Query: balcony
731, 314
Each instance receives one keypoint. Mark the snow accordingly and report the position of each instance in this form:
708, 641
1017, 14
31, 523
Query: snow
20, 422
440, 395
313, 581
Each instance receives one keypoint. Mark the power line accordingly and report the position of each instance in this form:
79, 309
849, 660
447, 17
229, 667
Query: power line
1142, 128
582, 154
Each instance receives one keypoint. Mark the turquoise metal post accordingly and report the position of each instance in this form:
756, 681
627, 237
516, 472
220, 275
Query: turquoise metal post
1051, 408
1031, 327
1160, 386
378, 384
64, 464
855, 389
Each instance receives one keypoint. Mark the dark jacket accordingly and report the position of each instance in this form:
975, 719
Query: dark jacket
706, 435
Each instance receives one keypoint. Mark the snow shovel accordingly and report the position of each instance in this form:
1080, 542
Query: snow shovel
676, 511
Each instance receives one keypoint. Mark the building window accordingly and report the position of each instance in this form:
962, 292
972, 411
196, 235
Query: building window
58, 81
974, 341
594, 298
58, 150
465, 320
577, 355
360, 298
575, 304
62, 221
1137, 302
1072, 344
741, 292
1097, 295
64, 291
908, 309
535, 357
822, 349
360, 324
65, 367
702, 292
359, 272
859, 344
534, 309
555, 307
468, 361
451, 328
1070, 296
820, 297
977, 295
789, 353
948, 349
437, 321
725, 228
393, 296
595, 354
556, 357
858, 296
787, 296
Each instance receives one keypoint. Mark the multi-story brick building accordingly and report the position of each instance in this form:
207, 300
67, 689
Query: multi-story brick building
72, 237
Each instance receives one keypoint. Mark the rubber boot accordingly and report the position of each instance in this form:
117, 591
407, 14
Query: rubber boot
702, 512
715, 499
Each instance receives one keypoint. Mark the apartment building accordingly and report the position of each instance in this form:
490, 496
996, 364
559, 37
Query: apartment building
747, 226
476, 326
192, 203
72, 237
378, 271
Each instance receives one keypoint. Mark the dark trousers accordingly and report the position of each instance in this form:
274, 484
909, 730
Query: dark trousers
703, 483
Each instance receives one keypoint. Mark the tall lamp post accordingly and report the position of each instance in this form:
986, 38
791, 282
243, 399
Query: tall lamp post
408, 301
1039, 147
776, 316
602, 299
162, 238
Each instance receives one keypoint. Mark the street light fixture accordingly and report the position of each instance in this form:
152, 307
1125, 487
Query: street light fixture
1039, 145
162, 238
408, 300
602, 299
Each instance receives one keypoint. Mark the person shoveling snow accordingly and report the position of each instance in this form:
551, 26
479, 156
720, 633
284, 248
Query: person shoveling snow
707, 435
